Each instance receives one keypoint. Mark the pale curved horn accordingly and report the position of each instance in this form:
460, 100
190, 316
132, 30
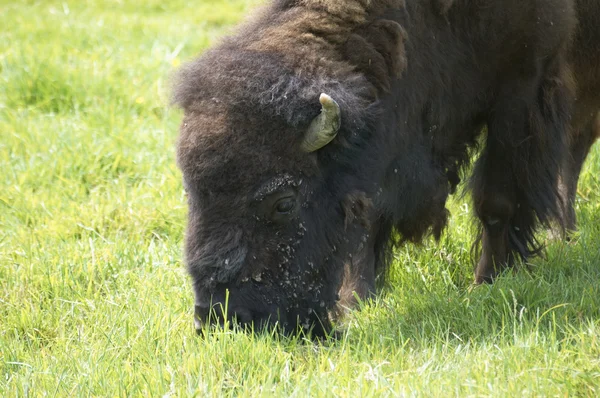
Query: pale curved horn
323, 128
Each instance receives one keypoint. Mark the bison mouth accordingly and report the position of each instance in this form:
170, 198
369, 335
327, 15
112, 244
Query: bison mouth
300, 319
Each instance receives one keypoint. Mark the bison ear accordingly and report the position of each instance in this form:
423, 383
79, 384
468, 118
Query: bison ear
323, 128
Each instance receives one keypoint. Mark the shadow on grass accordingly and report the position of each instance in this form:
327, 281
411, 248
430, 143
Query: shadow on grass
559, 294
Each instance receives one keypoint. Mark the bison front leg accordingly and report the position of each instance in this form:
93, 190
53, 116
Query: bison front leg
359, 267
515, 184
585, 131
496, 205
359, 276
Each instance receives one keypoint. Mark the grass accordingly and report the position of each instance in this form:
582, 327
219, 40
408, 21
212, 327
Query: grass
94, 299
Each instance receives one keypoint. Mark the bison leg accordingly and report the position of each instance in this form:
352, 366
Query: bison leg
359, 276
582, 139
497, 202
515, 183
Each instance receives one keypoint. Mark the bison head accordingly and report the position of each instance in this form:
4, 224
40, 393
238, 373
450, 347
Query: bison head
277, 205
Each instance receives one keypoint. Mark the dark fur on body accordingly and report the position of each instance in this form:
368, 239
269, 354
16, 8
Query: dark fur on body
584, 58
416, 83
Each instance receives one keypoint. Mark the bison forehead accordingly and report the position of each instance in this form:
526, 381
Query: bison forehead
247, 82
221, 157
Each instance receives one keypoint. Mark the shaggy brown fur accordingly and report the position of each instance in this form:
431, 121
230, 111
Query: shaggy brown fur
416, 83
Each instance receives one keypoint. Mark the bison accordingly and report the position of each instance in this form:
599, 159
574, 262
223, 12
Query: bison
324, 132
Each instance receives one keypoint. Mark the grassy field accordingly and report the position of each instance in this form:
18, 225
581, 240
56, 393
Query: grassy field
94, 299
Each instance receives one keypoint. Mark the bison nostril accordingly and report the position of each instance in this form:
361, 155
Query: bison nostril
200, 315
202, 312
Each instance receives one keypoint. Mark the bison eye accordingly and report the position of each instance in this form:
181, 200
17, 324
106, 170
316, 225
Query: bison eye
285, 205
278, 207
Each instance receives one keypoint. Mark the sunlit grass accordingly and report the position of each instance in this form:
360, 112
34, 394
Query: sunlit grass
94, 299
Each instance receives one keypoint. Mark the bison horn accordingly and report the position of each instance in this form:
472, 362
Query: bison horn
324, 127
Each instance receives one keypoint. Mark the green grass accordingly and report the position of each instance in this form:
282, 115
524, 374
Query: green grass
94, 299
